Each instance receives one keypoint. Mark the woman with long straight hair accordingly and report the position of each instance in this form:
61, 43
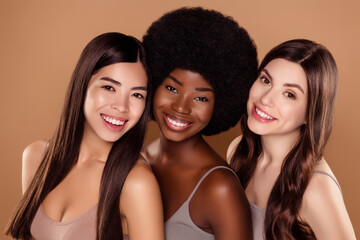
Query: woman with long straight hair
292, 191
88, 181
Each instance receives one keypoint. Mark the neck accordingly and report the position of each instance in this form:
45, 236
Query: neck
93, 148
181, 151
276, 147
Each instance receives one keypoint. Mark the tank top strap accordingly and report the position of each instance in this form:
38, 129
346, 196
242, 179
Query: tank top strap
329, 175
203, 177
45, 147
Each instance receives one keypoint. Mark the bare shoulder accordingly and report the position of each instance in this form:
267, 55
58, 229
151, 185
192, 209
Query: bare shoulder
232, 147
322, 185
223, 203
151, 150
221, 182
323, 207
140, 203
140, 180
31, 159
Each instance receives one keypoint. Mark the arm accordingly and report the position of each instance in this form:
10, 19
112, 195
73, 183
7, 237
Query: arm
324, 210
225, 206
232, 147
141, 204
31, 159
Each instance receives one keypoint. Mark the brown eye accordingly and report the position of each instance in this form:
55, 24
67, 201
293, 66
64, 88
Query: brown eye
290, 95
108, 88
171, 89
138, 95
201, 99
265, 80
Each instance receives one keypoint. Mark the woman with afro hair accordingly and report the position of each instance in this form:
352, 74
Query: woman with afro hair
202, 65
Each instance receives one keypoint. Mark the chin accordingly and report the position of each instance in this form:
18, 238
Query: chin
174, 136
256, 130
111, 139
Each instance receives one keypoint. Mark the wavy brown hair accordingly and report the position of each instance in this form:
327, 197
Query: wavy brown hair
63, 148
282, 219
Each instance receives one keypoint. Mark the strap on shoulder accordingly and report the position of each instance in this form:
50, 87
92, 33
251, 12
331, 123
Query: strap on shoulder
331, 176
204, 176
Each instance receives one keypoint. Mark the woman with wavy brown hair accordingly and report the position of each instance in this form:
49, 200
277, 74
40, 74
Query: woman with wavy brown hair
88, 181
293, 193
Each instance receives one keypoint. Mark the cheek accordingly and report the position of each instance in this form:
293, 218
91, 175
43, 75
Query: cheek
162, 98
157, 99
137, 108
249, 104
204, 112
96, 98
302, 114
255, 92
210, 111
296, 114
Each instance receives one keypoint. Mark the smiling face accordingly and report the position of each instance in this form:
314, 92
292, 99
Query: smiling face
278, 99
115, 100
183, 105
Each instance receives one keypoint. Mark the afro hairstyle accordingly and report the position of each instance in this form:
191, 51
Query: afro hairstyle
211, 44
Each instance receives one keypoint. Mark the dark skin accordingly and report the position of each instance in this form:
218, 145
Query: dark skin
183, 106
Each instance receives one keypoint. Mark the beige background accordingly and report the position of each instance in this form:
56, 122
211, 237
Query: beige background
41, 41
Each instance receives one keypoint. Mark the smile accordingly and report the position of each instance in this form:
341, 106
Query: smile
176, 123
113, 121
262, 114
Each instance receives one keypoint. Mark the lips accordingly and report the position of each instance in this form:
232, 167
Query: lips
260, 115
114, 123
175, 123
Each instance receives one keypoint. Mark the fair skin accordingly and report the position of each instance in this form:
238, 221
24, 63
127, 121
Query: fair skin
277, 109
183, 106
115, 100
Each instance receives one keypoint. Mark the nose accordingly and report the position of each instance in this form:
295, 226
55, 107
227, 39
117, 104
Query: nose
121, 103
267, 98
181, 105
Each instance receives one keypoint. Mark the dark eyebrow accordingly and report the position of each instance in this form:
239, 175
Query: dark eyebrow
197, 89
295, 86
119, 83
111, 80
286, 84
205, 90
267, 73
139, 88
175, 80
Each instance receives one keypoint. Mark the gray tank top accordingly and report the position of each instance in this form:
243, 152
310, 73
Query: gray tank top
258, 213
180, 225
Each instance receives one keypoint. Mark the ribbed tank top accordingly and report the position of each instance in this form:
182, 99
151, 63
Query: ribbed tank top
180, 225
258, 213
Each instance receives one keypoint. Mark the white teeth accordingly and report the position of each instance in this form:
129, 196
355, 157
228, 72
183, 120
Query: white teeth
262, 114
113, 121
178, 124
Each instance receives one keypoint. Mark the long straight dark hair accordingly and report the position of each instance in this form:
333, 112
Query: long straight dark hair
282, 220
63, 147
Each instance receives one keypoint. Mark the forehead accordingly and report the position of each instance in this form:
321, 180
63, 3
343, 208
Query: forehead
189, 78
284, 71
123, 72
